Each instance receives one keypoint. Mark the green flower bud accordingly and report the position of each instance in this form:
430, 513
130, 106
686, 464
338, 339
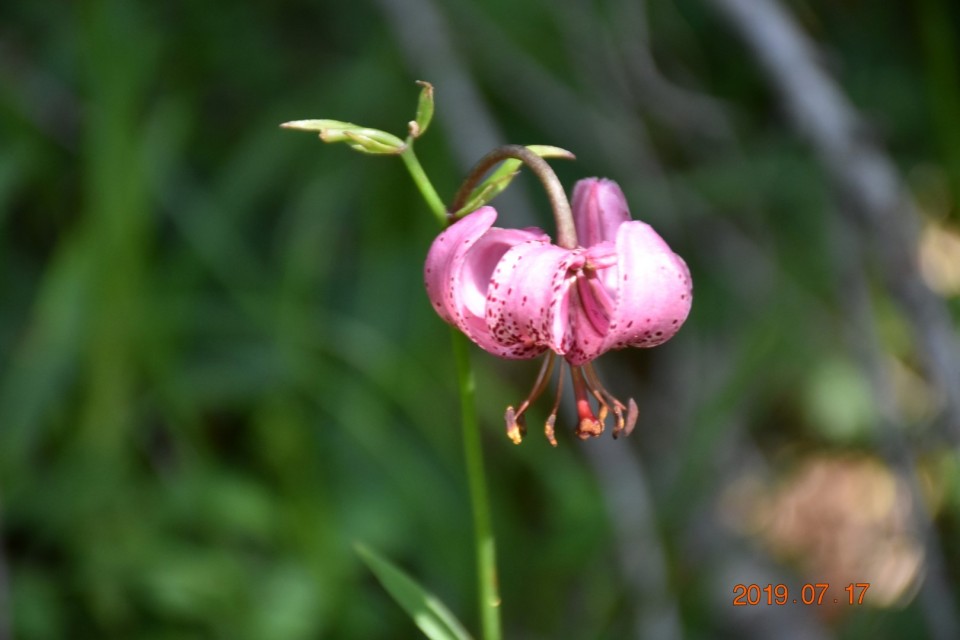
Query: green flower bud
424, 110
363, 139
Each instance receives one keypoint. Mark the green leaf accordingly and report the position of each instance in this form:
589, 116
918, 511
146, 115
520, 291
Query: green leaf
503, 175
429, 614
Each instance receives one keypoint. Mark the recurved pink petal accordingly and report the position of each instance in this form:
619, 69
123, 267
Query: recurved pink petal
654, 290
447, 251
474, 283
526, 300
599, 208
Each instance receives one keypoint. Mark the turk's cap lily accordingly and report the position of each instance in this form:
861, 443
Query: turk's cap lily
516, 294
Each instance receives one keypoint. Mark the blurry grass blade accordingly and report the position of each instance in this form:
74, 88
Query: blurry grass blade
503, 175
424, 110
429, 614
363, 139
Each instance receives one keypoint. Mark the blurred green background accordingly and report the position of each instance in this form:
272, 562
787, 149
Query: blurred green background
218, 367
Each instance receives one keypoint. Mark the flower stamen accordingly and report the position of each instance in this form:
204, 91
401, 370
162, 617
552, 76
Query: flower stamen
625, 424
516, 423
548, 430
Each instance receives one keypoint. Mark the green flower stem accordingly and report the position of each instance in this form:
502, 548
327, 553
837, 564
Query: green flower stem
483, 532
423, 183
486, 554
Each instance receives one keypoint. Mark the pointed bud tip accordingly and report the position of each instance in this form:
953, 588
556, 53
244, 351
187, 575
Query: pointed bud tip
549, 151
300, 125
425, 109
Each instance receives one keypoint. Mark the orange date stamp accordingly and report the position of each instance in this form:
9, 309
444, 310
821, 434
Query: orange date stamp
810, 594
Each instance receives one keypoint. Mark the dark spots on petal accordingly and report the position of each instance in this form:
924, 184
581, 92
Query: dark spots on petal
626, 277
675, 322
629, 324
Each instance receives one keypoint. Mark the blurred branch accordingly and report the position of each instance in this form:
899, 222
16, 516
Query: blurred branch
871, 192
614, 59
697, 115
642, 559
936, 595
6, 624
555, 106
874, 199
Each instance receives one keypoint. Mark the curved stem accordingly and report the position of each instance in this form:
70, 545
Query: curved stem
566, 232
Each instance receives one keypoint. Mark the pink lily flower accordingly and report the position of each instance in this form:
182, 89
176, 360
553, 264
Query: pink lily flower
517, 295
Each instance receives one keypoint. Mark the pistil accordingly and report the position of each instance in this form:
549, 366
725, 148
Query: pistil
516, 423
589, 426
